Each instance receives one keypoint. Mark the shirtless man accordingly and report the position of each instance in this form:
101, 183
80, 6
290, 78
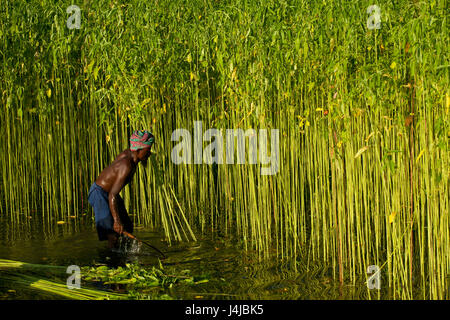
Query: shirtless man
111, 218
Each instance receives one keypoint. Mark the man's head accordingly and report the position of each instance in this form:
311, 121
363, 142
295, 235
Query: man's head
142, 141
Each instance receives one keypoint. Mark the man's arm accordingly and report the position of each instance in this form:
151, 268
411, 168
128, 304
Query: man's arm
113, 195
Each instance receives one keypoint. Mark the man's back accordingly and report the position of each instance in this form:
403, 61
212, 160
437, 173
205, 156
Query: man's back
123, 167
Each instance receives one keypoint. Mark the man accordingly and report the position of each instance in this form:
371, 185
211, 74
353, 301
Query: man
111, 218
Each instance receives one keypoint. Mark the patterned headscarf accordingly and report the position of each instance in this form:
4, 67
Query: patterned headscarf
141, 139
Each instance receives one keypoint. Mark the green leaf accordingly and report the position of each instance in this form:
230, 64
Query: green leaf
201, 281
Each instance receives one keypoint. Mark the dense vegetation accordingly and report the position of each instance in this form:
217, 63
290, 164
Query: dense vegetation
131, 281
363, 118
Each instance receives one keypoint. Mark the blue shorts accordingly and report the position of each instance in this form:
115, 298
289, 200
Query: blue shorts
104, 222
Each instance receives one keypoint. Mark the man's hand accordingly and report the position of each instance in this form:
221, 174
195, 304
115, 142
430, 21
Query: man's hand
122, 173
118, 227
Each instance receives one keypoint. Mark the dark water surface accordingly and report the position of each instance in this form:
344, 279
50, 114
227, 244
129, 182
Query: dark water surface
232, 273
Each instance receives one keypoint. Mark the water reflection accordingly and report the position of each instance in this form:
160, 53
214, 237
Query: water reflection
233, 274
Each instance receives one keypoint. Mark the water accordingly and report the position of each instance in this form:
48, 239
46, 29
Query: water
232, 273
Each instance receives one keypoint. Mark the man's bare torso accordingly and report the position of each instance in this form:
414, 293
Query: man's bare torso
123, 168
